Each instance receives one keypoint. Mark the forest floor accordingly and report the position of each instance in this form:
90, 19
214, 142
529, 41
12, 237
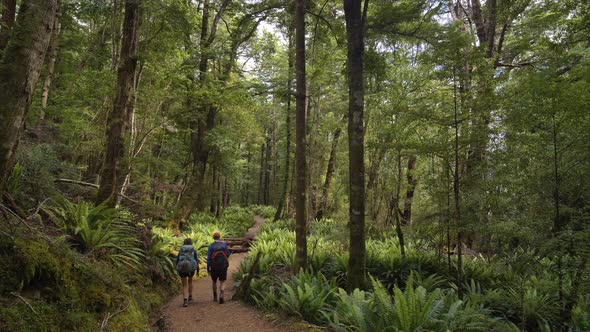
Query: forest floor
206, 315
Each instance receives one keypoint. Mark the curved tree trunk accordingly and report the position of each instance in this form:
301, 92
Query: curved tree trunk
114, 166
19, 71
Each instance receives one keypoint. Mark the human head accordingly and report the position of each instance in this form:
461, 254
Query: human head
188, 241
216, 236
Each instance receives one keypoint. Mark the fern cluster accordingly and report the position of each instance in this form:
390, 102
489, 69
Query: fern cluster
417, 292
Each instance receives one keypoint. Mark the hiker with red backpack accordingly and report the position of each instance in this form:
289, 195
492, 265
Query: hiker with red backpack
187, 262
217, 264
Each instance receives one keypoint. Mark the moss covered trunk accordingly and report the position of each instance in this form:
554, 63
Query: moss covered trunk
7, 21
114, 168
19, 72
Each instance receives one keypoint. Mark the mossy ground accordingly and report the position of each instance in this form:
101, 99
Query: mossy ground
69, 291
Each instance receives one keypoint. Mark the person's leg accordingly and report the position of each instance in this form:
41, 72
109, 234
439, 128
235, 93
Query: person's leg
185, 290
190, 289
222, 279
221, 291
214, 286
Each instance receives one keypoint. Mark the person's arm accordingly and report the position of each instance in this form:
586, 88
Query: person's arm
196, 260
227, 249
209, 251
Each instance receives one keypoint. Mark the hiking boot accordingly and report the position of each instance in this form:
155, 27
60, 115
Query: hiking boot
190, 299
221, 300
185, 303
214, 297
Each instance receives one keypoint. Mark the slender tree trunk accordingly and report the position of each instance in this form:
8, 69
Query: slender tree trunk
261, 176
448, 212
115, 35
134, 146
267, 171
213, 187
205, 122
394, 207
456, 192
300, 217
329, 174
246, 194
226, 194
283, 196
218, 197
557, 224
275, 165
115, 164
20, 67
356, 97
52, 52
412, 181
7, 21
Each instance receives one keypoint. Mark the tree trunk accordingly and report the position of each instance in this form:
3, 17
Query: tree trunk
393, 207
115, 35
226, 194
205, 122
52, 52
300, 217
7, 22
456, 193
267, 171
329, 174
246, 193
356, 96
557, 223
412, 181
283, 196
19, 71
115, 163
261, 176
134, 146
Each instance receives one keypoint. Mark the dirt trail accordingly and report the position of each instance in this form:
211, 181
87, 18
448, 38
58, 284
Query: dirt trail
205, 315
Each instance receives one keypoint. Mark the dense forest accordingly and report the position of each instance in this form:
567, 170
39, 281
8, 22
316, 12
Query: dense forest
421, 165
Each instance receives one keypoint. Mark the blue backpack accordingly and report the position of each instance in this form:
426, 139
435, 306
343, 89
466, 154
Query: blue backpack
186, 260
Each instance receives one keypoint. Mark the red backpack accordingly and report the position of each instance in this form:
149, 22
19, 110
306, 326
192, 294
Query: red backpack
219, 259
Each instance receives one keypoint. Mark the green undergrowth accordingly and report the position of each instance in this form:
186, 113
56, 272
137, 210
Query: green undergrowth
515, 292
70, 291
81, 267
233, 222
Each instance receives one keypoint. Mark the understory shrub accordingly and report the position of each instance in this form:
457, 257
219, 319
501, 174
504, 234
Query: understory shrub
68, 290
100, 232
414, 293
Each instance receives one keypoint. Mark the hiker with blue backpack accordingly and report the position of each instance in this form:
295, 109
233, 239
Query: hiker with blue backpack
187, 262
217, 264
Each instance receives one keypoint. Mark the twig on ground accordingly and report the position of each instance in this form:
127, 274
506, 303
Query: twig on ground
15, 215
25, 302
37, 210
108, 316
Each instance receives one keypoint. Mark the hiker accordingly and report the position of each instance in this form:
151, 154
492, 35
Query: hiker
217, 264
187, 263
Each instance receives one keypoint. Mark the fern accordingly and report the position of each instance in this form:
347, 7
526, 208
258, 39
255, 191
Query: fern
100, 232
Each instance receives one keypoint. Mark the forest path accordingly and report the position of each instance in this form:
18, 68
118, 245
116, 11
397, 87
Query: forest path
205, 315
